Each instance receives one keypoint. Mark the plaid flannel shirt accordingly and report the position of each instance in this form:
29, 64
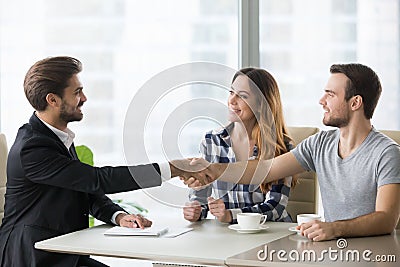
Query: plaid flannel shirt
217, 147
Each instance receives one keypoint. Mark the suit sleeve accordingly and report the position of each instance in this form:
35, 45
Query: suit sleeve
102, 208
44, 162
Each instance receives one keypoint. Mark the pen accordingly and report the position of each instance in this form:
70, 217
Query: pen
164, 231
134, 221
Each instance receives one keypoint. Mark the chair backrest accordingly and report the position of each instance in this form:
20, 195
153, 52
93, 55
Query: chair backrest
304, 197
395, 135
3, 177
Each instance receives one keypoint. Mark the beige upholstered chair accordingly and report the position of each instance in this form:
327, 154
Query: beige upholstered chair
3, 178
395, 135
304, 197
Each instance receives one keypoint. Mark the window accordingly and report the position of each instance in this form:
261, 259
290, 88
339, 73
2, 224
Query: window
122, 44
299, 40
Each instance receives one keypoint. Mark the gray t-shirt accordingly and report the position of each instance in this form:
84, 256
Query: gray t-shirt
349, 186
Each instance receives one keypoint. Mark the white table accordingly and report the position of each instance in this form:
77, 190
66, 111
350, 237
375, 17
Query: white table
385, 252
210, 243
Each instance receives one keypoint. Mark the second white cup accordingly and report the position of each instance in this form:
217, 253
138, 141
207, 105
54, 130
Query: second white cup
303, 218
251, 220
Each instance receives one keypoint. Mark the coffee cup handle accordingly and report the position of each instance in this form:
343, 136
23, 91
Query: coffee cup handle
264, 219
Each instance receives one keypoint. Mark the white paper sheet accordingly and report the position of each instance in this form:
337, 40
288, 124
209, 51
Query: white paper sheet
161, 231
173, 232
149, 231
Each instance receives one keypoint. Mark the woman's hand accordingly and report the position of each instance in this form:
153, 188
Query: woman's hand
192, 211
217, 208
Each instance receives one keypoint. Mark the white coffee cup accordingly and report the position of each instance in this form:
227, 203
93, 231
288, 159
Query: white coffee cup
251, 220
303, 218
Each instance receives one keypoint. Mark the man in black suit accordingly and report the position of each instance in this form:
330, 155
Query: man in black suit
49, 191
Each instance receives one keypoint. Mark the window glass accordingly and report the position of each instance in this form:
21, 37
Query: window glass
122, 44
300, 40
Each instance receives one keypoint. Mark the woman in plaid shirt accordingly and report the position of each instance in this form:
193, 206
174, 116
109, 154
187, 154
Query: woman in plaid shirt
256, 130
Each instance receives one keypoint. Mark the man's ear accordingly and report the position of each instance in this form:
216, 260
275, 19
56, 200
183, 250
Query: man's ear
356, 102
53, 100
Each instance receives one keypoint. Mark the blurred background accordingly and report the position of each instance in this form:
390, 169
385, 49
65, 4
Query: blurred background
124, 43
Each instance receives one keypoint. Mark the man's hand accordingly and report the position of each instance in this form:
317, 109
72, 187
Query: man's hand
192, 211
317, 230
208, 172
217, 208
132, 221
198, 172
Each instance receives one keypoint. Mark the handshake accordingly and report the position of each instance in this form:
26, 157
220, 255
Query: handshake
196, 172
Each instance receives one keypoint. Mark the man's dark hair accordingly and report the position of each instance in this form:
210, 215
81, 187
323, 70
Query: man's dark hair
49, 75
363, 81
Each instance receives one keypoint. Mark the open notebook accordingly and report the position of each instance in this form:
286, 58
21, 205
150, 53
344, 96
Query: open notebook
149, 231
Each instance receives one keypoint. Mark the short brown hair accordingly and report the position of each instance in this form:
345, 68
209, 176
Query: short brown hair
49, 75
363, 81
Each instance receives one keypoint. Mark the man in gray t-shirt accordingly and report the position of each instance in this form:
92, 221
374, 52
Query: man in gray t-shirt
349, 185
358, 168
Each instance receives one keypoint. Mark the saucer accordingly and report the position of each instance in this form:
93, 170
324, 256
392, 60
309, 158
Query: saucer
237, 228
293, 229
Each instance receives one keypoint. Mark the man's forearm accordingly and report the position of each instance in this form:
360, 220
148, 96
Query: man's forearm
376, 223
243, 172
258, 171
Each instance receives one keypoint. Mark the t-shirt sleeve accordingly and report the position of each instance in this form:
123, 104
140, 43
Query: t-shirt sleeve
388, 171
304, 152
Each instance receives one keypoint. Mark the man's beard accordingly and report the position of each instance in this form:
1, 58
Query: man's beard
336, 122
67, 116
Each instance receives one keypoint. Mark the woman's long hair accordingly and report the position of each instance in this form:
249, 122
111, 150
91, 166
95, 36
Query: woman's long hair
270, 132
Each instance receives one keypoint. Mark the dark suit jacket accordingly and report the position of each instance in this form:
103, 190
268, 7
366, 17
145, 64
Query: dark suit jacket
50, 193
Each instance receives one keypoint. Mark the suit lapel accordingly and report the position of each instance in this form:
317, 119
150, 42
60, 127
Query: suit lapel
38, 125
72, 151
